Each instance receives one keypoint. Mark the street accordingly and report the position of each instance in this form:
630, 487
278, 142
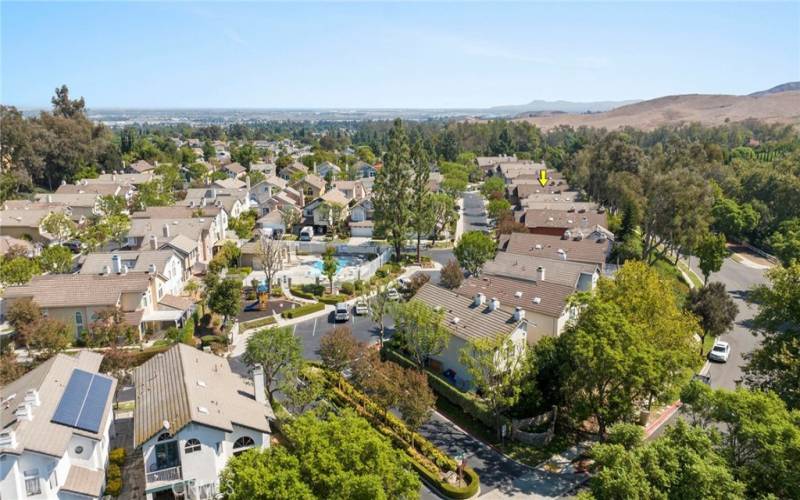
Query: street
474, 212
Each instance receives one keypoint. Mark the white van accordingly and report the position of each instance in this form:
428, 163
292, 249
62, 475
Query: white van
306, 233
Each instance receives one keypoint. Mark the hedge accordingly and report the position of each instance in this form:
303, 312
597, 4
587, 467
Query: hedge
258, 323
302, 310
401, 436
210, 339
298, 292
117, 456
468, 403
332, 299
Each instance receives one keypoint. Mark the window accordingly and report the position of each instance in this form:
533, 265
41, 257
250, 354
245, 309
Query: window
191, 446
242, 444
165, 436
32, 484
78, 322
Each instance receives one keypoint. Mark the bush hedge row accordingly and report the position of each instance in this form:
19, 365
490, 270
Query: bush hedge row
257, 323
468, 403
299, 292
332, 299
302, 310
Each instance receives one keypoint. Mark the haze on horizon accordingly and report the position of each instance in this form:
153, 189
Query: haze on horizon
399, 55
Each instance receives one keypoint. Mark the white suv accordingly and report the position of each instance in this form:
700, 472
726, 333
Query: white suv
720, 352
342, 312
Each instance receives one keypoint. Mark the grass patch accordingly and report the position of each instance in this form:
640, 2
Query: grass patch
532, 455
671, 274
696, 280
467, 422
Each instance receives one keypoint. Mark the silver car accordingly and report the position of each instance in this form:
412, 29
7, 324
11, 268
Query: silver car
720, 352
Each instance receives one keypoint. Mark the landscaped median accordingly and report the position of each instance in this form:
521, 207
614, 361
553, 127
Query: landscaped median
433, 466
257, 323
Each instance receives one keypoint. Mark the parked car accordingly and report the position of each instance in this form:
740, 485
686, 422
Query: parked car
306, 233
392, 294
342, 312
361, 308
403, 283
720, 352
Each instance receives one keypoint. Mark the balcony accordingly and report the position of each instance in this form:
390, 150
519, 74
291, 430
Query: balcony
164, 476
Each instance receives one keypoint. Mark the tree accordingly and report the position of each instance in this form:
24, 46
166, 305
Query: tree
379, 307
338, 348
493, 188
305, 392
289, 216
681, 464
443, 215
23, 316
786, 241
246, 155
392, 192
59, 226
117, 227
416, 399
270, 256
56, 259
775, 364
494, 365
49, 337
473, 249
279, 353
18, 270
64, 106
421, 207
209, 151
225, 298
732, 219
421, 330
452, 276
342, 456
330, 265
112, 205
109, 328
716, 310
498, 208
760, 437
453, 186
265, 473
380, 380
10, 368
712, 251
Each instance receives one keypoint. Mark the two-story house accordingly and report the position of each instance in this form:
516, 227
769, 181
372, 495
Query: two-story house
164, 264
57, 424
192, 415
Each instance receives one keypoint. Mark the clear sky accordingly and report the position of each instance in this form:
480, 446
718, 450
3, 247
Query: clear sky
305, 55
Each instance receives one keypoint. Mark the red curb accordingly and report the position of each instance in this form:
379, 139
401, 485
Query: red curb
665, 415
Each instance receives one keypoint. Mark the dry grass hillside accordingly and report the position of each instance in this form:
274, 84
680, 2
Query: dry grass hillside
783, 107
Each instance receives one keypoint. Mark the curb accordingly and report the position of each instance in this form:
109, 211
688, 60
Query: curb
662, 419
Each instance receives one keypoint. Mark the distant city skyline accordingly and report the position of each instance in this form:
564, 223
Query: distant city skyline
390, 55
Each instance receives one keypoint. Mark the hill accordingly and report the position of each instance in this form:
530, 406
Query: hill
539, 106
772, 107
784, 87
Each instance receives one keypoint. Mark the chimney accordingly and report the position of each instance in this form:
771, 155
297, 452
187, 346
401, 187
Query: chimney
480, 299
214, 193
247, 182
116, 264
494, 304
563, 255
113, 177
540, 273
49, 198
153, 242
165, 230
519, 314
258, 384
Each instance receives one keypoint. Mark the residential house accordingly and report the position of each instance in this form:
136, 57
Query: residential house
557, 222
193, 414
580, 276
267, 169
471, 319
312, 186
364, 170
293, 171
488, 163
353, 190
123, 190
80, 204
140, 167
592, 248
25, 223
361, 218
234, 170
195, 235
230, 183
325, 168
233, 201
136, 179
9, 244
164, 264
57, 423
331, 205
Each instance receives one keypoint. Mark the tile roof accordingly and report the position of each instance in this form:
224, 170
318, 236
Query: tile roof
175, 302
181, 243
314, 180
84, 200
513, 265
513, 292
235, 167
8, 242
465, 320
551, 218
593, 251
95, 262
336, 196
141, 166
124, 178
183, 385
74, 290
49, 379
102, 189
192, 228
84, 481
230, 183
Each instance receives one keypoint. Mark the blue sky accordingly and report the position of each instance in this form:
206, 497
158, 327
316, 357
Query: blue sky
390, 54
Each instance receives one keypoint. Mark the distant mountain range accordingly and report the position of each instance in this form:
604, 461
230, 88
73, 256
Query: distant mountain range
559, 106
779, 104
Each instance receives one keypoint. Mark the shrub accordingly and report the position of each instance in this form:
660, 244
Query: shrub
113, 472
258, 323
114, 487
211, 339
333, 299
117, 456
348, 288
302, 310
359, 286
299, 292
240, 270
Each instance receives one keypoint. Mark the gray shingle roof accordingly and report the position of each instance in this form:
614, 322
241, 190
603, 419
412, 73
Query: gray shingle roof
588, 250
67, 290
512, 292
94, 262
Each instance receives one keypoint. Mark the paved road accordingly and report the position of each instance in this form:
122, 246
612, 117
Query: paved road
474, 212
739, 279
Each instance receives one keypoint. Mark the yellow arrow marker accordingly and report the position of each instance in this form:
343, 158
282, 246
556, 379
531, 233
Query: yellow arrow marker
543, 177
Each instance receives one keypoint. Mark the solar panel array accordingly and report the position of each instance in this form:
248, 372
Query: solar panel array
84, 401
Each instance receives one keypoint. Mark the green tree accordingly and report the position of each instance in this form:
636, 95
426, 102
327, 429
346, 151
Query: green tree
715, 309
18, 270
711, 251
112, 205
379, 308
225, 298
421, 208
246, 155
23, 316
493, 188
264, 473
785, 242
365, 154
451, 276
49, 337
279, 353
732, 219
775, 364
56, 259
59, 226
116, 227
681, 464
497, 208
338, 348
209, 151
416, 399
330, 265
495, 368
443, 215
392, 192
473, 250
421, 330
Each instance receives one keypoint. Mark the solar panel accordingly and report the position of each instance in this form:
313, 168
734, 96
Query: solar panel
84, 400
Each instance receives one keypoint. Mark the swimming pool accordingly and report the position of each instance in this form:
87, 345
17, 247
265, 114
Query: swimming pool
342, 261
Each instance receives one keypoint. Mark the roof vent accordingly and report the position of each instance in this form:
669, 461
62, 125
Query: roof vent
32, 397
8, 439
537, 246
537, 300
456, 320
480, 299
518, 294
151, 269
23, 412
494, 304
203, 410
200, 383
519, 314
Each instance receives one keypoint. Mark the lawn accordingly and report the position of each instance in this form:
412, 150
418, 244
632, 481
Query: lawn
696, 280
532, 455
671, 274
